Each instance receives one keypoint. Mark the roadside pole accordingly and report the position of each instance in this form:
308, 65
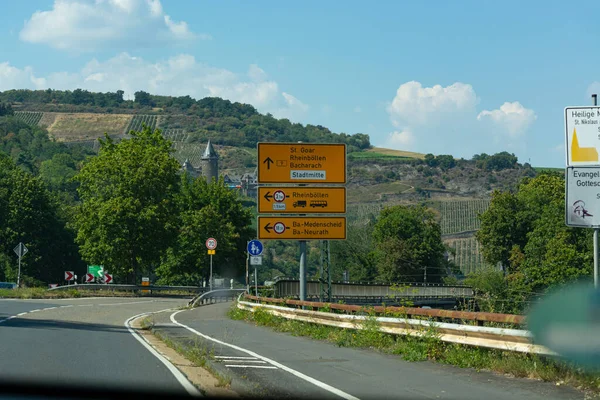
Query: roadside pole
211, 279
19, 273
595, 103
255, 282
247, 277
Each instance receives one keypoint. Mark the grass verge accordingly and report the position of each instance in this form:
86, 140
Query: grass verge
428, 346
42, 293
197, 354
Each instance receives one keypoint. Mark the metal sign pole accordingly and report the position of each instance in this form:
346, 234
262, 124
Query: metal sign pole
19, 273
211, 277
595, 103
255, 282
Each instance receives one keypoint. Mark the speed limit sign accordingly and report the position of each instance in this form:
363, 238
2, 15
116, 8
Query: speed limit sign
211, 243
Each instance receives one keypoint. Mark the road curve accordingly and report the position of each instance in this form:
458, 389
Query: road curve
282, 365
82, 342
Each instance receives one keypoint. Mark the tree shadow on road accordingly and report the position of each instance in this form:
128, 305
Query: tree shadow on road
50, 324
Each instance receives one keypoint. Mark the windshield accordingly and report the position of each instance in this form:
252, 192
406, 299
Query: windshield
299, 199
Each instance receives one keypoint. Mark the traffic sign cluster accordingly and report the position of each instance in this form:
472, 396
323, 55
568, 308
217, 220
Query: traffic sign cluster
290, 166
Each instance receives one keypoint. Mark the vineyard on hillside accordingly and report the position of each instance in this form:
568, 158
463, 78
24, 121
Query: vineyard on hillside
175, 135
138, 120
460, 215
29, 117
190, 151
468, 256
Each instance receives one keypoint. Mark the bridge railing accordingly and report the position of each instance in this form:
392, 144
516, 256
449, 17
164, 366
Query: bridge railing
132, 288
483, 336
216, 296
440, 315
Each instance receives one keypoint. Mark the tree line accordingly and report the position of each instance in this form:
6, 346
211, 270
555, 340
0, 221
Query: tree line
224, 122
128, 208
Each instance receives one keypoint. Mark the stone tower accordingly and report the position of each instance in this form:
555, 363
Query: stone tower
210, 163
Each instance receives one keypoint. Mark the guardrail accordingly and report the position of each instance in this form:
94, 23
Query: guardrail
490, 337
436, 314
133, 288
216, 296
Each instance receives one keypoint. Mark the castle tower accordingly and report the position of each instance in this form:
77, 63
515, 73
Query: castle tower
210, 163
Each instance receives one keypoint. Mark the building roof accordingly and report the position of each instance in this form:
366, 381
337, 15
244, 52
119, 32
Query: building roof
209, 152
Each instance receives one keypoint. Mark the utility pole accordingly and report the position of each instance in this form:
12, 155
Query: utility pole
595, 103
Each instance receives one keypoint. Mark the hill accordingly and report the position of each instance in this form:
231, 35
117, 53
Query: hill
456, 189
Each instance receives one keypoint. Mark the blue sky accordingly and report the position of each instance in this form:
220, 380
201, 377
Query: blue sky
459, 77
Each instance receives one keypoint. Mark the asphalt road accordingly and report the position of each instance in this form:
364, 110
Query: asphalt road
81, 342
281, 365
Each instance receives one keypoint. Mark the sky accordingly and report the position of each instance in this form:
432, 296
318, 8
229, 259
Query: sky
459, 77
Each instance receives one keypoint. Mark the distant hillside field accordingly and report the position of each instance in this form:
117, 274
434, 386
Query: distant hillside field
396, 153
74, 127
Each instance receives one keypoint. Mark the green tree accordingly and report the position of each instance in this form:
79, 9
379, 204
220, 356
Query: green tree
30, 214
526, 232
409, 241
125, 221
207, 210
356, 254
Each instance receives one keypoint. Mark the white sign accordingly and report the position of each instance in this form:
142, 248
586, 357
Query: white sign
211, 243
145, 279
255, 260
69, 275
20, 250
582, 129
583, 197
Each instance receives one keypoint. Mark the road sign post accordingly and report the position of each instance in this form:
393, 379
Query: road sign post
302, 200
582, 134
21, 250
301, 164
211, 245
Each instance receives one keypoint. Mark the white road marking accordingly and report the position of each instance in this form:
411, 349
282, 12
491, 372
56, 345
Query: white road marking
251, 366
23, 313
245, 361
240, 358
188, 386
298, 374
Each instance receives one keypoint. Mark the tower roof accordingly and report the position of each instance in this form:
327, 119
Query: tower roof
209, 152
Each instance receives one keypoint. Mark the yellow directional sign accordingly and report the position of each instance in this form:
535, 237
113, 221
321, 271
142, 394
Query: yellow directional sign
302, 228
301, 163
211, 252
301, 200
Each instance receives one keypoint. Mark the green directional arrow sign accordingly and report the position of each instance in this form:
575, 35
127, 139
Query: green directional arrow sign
96, 270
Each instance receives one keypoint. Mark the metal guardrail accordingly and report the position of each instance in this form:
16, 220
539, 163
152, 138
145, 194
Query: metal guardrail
112, 286
479, 317
216, 296
490, 337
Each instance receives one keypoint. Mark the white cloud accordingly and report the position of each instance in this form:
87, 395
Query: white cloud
178, 76
84, 25
256, 73
512, 118
400, 140
416, 105
445, 120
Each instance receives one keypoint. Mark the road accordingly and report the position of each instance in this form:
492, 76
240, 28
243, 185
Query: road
282, 365
86, 342
82, 342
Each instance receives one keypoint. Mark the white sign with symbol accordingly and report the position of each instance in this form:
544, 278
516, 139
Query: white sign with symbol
279, 227
211, 243
583, 197
582, 125
255, 260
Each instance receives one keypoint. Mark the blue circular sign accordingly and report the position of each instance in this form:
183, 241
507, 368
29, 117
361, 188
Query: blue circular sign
255, 248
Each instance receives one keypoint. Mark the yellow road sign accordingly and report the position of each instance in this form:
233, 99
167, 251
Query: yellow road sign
301, 163
301, 200
302, 228
211, 252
